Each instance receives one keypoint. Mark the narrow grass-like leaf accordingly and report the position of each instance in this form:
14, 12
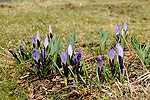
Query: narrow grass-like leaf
72, 73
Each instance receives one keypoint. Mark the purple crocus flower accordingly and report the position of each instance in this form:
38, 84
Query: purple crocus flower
117, 30
43, 57
120, 55
50, 31
76, 60
99, 67
36, 55
33, 41
21, 50
36, 68
70, 51
14, 54
46, 42
111, 54
38, 38
64, 57
125, 27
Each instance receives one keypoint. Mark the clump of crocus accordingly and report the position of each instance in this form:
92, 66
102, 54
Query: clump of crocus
14, 54
64, 57
120, 56
46, 42
76, 60
21, 50
111, 54
38, 38
50, 31
36, 56
117, 31
99, 67
70, 51
33, 41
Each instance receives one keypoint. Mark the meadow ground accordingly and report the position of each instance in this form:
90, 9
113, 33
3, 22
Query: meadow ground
20, 20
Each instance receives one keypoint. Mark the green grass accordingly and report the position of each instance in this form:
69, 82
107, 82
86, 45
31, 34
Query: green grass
20, 20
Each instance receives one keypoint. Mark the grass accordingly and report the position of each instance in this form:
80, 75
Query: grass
20, 20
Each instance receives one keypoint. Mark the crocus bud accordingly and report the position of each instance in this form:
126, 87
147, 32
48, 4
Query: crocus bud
111, 54
120, 55
46, 42
70, 51
38, 38
64, 57
36, 56
21, 50
125, 27
43, 57
99, 67
50, 31
76, 60
117, 30
14, 54
37, 68
33, 41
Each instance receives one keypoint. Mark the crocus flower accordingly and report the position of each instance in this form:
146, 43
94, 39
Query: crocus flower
46, 42
99, 67
38, 38
21, 50
33, 41
117, 30
70, 51
50, 31
120, 55
111, 54
14, 54
76, 60
125, 27
43, 57
64, 57
36, 55
36, 68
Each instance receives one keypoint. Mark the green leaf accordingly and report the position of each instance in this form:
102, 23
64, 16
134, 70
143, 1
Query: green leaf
147, 60
33, 70
146, 50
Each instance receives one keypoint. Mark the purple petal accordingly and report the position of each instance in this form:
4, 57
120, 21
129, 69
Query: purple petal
46, 42
43, 57
13, 53
125, 26
36, 68
38, 36
99, 64
33, 41
119, 50
78, 56
64, 57
20, 47
70, 51
111, 54
50, 31
117, 30
36, 55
